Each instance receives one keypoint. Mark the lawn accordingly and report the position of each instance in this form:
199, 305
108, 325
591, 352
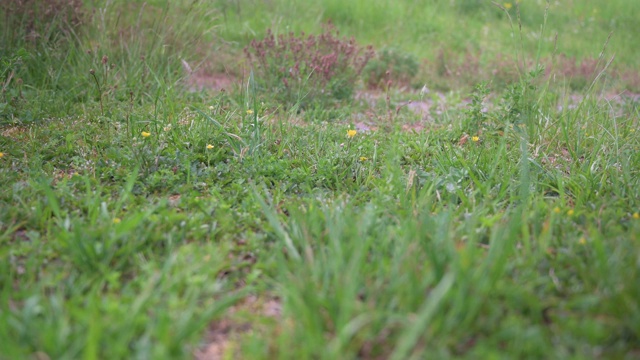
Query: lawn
319, 180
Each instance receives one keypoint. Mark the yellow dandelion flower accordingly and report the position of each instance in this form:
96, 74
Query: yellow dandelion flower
507, 5
363, 158
475, 138
351, 133
1, 155
582, 241
249, 112
209, 146
570, 212
556, 210
636, 215
116, 220
145, 134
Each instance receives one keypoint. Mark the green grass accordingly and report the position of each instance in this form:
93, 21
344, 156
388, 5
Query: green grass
507, 228
457, 34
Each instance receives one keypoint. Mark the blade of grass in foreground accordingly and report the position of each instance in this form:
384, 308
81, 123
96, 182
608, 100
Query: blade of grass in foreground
410, 337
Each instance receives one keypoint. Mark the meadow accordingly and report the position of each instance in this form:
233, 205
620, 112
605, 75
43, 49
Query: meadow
246, 179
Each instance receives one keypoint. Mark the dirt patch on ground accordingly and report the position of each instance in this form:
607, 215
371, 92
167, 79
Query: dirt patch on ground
383, 112
223, 335
14, 132
203, 79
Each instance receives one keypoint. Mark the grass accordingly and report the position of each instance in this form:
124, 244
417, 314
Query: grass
142, 220
461, 42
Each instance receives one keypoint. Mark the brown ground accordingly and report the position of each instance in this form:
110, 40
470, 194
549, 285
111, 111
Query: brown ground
223, 334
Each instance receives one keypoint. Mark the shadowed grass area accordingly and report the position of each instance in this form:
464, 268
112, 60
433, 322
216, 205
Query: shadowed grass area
142, 219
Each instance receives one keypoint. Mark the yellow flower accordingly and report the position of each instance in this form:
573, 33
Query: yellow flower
1, 154
362, 158
249, 112
145, 134
582, 241
635, 214
570, 212
507, 6
475, 138
116, 220
209, 146
351, 133
556, 210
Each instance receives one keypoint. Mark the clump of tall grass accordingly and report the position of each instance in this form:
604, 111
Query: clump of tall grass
60, 42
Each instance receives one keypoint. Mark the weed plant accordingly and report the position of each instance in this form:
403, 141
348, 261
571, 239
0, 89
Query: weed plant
308, 70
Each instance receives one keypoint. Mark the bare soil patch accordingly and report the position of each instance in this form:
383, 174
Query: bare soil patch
223, 334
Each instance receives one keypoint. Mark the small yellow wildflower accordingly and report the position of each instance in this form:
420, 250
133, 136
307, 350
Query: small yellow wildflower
145, 134
351, 133
635, 214
556, 210
249, 112
570, 212
363, 158
209, 146
1, 155
507, 5
582, 241
116, 220
475, 138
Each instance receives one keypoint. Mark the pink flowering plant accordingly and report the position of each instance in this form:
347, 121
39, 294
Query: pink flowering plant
308, 69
